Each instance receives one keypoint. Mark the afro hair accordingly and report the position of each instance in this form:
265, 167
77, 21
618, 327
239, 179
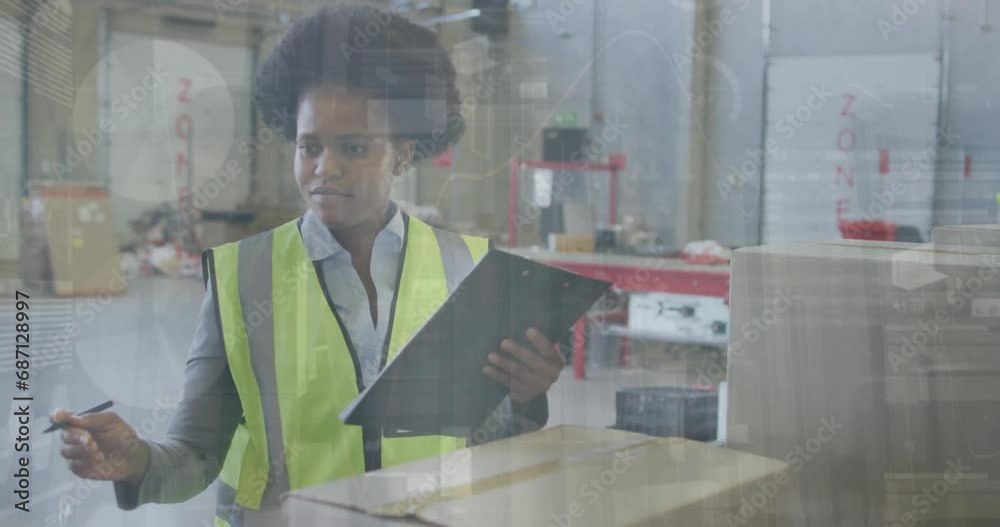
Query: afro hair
382, 54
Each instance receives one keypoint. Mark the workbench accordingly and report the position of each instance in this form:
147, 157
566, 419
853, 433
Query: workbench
633, 274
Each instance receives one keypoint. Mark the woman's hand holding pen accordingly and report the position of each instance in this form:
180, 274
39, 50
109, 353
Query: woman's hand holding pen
102, 446
532, 373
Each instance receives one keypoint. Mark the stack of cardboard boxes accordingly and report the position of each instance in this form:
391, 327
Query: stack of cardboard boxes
872, 369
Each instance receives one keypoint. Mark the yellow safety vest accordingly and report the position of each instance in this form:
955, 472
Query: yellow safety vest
295, 370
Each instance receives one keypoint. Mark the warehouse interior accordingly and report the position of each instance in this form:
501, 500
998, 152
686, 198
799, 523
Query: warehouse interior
795, 205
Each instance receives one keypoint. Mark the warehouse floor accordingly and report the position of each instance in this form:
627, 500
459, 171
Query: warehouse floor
132, 349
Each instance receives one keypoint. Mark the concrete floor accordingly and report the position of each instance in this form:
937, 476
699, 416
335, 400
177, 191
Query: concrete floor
133, 349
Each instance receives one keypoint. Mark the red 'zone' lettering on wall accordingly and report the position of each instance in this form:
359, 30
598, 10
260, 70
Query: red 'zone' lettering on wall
846, 140
183, 127
844, 176
184, 96
848, 103
841, 207
181, 164
183, 131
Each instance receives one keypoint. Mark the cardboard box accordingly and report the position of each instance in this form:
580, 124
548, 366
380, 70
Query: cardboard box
571, 243
987, 235
564, 475
854, 361
69, 240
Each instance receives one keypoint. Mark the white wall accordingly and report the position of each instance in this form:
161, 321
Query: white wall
56, 128
632, 81
194, 111
640, 82
636, 81
820, 28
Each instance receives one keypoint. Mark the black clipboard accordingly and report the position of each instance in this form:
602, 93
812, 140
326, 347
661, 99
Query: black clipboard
435, 385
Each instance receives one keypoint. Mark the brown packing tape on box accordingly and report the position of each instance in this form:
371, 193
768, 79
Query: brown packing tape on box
672, 480
375, 489
411, 507
403, 508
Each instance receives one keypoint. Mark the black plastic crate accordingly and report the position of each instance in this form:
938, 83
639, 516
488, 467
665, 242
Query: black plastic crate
669, 411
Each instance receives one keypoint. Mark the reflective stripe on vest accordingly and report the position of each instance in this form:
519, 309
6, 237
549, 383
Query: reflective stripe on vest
269, 298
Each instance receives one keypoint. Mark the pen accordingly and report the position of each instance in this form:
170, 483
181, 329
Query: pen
99, 408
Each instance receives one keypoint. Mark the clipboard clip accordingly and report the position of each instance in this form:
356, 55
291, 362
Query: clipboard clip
449, 431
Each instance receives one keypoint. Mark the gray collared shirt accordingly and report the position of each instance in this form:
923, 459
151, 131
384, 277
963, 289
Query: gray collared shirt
347, 291
191, 457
